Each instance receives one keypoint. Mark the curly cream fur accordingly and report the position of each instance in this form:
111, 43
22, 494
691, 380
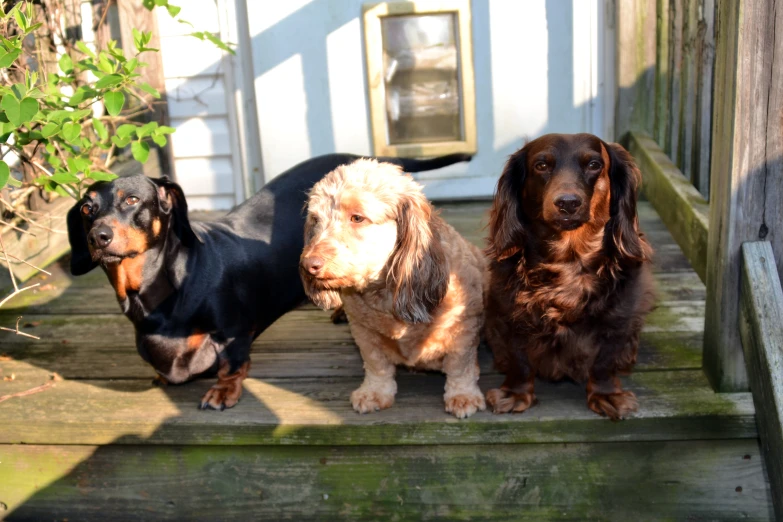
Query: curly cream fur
413, 288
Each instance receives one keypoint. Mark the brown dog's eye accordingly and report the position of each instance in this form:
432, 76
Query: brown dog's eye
541, 166
131, 200
356, 218
86, 209
594, 165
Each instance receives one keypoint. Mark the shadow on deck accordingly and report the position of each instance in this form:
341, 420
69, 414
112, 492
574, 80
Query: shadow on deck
105, 444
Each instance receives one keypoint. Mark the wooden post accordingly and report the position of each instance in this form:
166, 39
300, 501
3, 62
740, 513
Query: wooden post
135, 16
746, 178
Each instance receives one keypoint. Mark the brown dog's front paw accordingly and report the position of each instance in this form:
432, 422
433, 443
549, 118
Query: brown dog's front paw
616, 405
160, 381
365, 400
504, 401
464, 405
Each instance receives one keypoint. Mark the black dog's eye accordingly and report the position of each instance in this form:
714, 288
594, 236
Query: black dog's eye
86, 209
541, 166
594, 165
356, 218
131, 200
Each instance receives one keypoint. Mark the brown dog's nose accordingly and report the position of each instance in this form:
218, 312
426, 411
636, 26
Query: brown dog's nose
313, 264
568, 203
101, 236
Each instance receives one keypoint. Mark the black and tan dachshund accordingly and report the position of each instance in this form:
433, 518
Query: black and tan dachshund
198, 294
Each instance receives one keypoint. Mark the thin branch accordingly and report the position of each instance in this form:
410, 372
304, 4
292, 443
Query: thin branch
11, 226
4, 301
28, 264
10, 271
31, 391
17, 331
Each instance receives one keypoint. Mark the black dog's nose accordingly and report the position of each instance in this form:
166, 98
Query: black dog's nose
568, 204
101, 236
313, 264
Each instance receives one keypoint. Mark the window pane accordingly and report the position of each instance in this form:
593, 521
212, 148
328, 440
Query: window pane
421, 78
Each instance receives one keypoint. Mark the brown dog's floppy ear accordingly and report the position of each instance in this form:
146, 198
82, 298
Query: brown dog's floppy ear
172, 201
624, 181
418, 269
322, 298
81, 260
506, 228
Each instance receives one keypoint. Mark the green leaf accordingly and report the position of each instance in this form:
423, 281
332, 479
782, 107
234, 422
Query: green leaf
71, 131
147, 129
36, 93
64, 177
114, 101
66, 64
138, 39
84, 49
50, 129
104, 64
120, 142
149, 4
141, 151
102, 176
159, 139
100, 129
21, 20
110, 80
8, 57
12, 109
173, 10
14, 182
144, 86
28, 107
5, 173
131, 65
78, 164
80, 95
219, 43
126, 130
60, 116
164, 129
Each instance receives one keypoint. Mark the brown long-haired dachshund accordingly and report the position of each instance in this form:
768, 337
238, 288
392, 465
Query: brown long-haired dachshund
412, 287
571, 275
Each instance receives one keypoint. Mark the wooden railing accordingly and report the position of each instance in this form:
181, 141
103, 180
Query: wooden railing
761, 329
665, 73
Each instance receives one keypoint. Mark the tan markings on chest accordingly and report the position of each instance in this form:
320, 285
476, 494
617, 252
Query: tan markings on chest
126, 276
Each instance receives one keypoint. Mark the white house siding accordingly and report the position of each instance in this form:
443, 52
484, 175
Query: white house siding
196, 72
539, 67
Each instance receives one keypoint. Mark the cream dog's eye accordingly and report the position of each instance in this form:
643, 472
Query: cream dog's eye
356, 218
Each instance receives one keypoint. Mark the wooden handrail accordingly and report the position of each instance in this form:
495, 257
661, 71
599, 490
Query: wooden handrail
761, 331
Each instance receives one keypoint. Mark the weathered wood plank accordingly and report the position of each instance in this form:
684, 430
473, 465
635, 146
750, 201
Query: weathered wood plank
110, 329
706, 65
677, 405
688, 91
636, 51
672, 143
720, 481
291, 359
662, 80
746, 184
761, 330
684, 211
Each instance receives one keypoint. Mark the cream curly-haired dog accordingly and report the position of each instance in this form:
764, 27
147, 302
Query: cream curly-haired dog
411, 286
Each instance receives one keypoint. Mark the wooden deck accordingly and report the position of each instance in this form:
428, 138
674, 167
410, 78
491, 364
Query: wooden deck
104, 443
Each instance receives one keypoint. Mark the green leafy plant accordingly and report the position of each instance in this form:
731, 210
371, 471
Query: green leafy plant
67, 124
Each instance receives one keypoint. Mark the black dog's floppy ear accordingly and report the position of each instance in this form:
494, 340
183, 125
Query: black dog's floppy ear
172, 201
81, 260
624, 182
419, 270
506, 229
